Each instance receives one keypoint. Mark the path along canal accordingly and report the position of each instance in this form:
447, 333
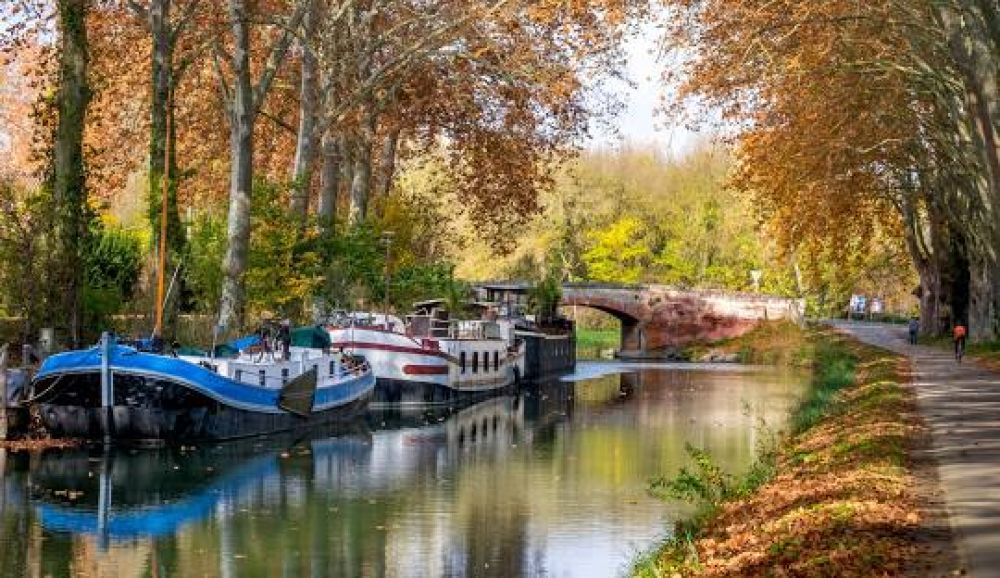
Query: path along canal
549, 482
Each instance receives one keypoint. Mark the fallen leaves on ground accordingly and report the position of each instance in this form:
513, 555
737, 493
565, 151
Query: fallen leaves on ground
37, 444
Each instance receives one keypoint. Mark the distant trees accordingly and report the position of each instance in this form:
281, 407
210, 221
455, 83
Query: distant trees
637, 216
619, 253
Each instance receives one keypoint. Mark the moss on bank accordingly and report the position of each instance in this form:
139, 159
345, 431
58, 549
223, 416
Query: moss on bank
837, 497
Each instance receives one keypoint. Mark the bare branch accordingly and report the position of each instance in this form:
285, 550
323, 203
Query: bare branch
218, 57
139, 10
185, 19
278, 51
278, 122
401, 62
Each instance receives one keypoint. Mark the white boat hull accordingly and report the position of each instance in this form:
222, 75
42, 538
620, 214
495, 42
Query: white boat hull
412, 371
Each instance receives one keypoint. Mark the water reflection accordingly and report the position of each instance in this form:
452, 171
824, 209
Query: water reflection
549, 481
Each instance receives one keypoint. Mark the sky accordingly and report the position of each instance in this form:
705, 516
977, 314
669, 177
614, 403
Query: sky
639, 122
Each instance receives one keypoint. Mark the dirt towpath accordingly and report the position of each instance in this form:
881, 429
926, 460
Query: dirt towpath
961, 405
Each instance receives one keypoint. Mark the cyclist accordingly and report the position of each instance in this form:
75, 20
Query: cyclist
959, 333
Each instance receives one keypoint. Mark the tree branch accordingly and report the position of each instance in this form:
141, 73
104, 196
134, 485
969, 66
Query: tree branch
278, 51
139, 10
278, 122
185, 19
400, 63
217, 59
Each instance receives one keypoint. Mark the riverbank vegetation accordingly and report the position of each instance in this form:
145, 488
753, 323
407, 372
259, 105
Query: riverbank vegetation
780, 343
842, 495
636, 215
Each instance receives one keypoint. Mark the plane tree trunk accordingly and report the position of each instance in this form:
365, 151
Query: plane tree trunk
243, 102
387, 163
306, 138
362, 178
241, 117
329, 182
68, 175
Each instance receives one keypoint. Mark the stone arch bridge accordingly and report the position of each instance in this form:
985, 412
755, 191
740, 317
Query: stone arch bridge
657, 316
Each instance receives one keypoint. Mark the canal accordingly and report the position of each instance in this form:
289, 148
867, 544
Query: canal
550, 482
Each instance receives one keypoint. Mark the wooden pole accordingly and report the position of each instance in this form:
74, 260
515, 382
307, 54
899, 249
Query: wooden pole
161, 269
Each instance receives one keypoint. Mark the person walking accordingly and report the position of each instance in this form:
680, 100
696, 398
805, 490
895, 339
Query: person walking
285, 339
959, 333
914, 327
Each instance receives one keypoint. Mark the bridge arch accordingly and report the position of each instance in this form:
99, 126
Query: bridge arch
627, 309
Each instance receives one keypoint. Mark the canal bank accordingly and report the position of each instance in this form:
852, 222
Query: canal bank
850, 491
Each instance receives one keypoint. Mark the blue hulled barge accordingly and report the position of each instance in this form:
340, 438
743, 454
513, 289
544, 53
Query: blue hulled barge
116, 392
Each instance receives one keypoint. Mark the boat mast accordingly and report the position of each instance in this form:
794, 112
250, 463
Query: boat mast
161, 268
387, 241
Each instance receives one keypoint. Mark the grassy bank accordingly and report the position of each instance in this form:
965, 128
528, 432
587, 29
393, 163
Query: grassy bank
838, 496
590, 342
770, 343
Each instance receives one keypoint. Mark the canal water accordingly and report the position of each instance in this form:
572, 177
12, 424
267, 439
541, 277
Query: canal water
550, 482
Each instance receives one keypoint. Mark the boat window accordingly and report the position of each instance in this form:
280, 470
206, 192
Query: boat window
263, 377
316, 369
284, 375
475, 364
461, 361
239, 375
496, 361
333, 367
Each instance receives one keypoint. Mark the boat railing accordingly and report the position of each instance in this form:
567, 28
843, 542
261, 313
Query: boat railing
359, 366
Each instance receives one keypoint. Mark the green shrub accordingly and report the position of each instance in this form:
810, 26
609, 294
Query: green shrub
113, 260
203, 265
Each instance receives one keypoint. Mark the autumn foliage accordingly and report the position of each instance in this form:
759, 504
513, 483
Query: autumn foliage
324, 98
859, 122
